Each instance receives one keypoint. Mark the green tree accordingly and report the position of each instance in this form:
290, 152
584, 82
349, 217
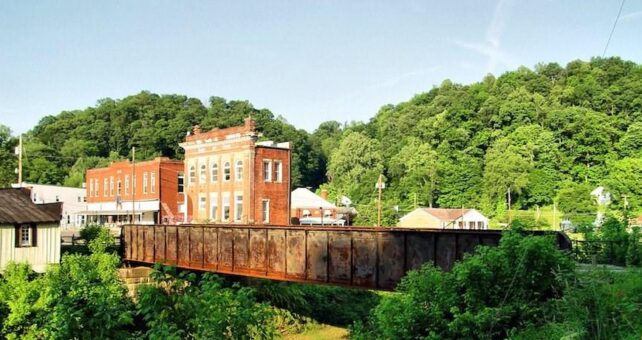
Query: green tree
355, 166
506, 171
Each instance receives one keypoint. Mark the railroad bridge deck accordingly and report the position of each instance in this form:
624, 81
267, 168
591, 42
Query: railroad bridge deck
365, 257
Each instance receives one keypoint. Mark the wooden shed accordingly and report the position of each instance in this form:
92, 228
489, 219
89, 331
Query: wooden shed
29, 232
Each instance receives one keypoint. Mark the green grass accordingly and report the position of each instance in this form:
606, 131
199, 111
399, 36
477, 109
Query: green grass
320, 332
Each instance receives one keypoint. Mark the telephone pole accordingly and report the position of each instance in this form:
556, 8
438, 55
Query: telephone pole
380, 186
133, 184
19, 153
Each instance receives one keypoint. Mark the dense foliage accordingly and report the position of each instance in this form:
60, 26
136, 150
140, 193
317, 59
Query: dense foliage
80, 298
524, 289
544, 135
184, 306
83, 298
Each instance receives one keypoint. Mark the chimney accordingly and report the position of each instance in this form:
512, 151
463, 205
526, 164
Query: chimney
250, 124
324, 194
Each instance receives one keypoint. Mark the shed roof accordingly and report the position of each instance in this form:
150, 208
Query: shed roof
304, 198
16, 207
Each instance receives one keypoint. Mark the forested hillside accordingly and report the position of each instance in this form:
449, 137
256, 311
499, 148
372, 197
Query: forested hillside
548, 134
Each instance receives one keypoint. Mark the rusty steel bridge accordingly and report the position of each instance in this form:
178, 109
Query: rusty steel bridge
365, 257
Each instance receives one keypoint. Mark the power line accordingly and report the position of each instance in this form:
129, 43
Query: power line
613, 29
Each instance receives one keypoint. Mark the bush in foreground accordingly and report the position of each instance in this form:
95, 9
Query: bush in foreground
491, 294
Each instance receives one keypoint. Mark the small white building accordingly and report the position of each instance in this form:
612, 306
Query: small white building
74, 201
438, 218
312, 209
29, 233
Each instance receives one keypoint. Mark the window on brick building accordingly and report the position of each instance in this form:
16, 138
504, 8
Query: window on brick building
192, 174
266, 211
239, 171
226, 171
214, 174
203, 174
278, 171
127, 185
213, 206
145, 183
153, 180
91, 187
105, 187
226, 206
267, 171
119, 186
181, 183
111, 186
202, 202
238, 207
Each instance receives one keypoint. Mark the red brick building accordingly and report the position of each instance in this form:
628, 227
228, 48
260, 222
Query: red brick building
150, 190
232, 178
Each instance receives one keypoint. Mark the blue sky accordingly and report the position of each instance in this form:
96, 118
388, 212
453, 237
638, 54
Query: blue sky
308, 61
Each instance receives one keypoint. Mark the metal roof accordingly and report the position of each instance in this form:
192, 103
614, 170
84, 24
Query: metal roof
16, 207
304, 198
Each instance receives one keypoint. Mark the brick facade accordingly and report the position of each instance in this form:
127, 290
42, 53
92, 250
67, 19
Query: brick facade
151, 187
224, 177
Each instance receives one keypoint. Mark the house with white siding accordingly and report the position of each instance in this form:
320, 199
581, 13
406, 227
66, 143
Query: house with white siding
74, 201
439, 218
29, 232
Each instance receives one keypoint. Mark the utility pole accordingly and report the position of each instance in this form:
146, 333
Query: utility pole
133, 184
380, 186
19, 152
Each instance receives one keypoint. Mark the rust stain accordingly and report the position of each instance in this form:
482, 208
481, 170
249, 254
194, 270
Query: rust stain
374, 258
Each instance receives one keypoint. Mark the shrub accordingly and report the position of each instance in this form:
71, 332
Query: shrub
487, 295
80, 298
185, 306
333, 305
90, 232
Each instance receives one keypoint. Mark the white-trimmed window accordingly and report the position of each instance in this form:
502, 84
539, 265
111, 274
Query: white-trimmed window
91, 188
278, 171
192, 174
119, 187
265, 204
127, 185
238, 207
105, 187
181, 183
239, 170
214, 174
202, 202
203, 174
25, 236
145, 182
111, 186
214, 206
153, 180
226, 206
226, 171
267, 171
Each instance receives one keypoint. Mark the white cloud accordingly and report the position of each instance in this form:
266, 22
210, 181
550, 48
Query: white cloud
491, 47
631, 16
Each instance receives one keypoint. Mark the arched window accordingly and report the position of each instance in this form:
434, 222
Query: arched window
214, 175
226, 171
192, 174
203, 173
239, 171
